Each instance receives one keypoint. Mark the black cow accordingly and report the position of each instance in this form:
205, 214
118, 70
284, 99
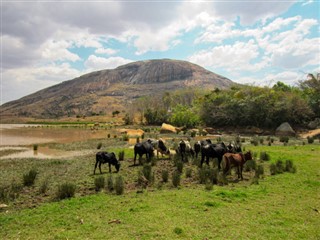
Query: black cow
199, 144
185, 148
105, 157
214, 151
234, 148
141, 149
159, 146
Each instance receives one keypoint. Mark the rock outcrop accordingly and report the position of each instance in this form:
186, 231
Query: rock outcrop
109, 90
285, 130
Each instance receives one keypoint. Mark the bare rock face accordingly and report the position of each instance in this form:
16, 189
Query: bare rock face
285, 130
109, 90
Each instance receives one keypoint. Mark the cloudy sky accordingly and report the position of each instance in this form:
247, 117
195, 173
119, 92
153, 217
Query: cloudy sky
257, 42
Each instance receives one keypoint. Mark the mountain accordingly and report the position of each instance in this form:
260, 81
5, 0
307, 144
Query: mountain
110, 90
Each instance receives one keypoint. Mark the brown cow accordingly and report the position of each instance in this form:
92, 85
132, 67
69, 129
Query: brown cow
235, 160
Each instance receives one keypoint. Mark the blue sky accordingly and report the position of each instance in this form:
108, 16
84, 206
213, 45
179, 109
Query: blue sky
255, 42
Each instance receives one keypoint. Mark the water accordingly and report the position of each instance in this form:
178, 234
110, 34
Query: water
22, 137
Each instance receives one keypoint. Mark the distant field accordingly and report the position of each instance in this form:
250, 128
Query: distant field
283, 206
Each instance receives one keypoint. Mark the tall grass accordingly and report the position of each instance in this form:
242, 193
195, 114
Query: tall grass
30, 177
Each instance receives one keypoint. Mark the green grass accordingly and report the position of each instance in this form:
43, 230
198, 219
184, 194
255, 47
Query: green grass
284, 206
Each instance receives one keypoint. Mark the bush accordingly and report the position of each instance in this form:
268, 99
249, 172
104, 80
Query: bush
176, 178
99, 183
250, 165
147, 171
35, 147
44, 186
260, 171
125, 137
284, 139
273, 169
121, 155
165, 175
179, 165
290, 167
110, 186
30, 177
178, 230
10, 193
310, 139
206, 174
119, 185
255, 141
188, 173
209, 186
279, 166
99, 145
66, 190
264, 156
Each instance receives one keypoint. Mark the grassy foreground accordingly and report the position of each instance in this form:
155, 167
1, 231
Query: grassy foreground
284, 206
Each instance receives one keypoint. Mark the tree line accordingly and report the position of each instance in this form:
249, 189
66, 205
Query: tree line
239, 106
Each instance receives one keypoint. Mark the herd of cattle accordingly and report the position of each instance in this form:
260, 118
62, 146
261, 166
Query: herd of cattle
231, 155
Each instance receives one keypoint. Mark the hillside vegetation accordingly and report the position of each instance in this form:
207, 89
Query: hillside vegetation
238, 106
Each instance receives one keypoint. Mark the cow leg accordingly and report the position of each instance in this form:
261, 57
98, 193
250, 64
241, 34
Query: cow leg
95, 166
135, 157
100, 167
241, 168
109, 167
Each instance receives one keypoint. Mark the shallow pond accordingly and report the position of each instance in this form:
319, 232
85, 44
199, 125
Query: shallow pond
22, 137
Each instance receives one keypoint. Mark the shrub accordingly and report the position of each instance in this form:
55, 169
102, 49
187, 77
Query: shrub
178, 230
99, 183
119, 185
290, 167
125, 137
165, 175
110, 186
121, 155
284, 139
188, 173
255, 141
261, 140
193, 133
30, 177
99, 145
264, 156
310, 139
108, 135
260, 171
279, 166
66, 190
179, 165
273, 169
10, 193
209, 186
147, 171
176, 178
206, 174
35, 147
250, 165
44, 186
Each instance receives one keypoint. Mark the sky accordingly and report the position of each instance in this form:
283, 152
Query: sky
255, 42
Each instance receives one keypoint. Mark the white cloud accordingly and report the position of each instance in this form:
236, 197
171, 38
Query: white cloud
17, 83
58, 51
96, 63
108, 51
236, 57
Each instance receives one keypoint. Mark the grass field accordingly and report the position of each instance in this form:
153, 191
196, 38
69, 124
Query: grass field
283, 206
